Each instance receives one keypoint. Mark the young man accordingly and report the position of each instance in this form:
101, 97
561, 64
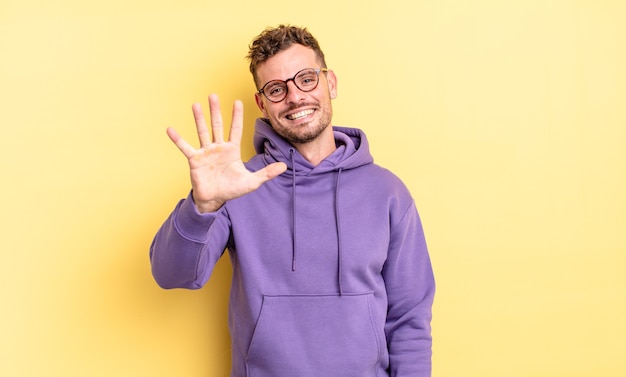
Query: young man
331, 274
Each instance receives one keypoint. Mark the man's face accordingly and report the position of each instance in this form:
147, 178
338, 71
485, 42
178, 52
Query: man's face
302, 116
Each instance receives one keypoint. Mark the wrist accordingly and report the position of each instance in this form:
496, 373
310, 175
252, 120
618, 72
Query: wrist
208, 205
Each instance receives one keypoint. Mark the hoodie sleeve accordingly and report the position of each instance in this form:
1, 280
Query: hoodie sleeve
410, 289
188, 245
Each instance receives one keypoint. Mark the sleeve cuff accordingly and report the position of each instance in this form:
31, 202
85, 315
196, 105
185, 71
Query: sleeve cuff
192, 224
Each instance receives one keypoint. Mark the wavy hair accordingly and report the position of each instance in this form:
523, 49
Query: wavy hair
276, 39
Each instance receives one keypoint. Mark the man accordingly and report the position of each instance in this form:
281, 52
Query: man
331, 275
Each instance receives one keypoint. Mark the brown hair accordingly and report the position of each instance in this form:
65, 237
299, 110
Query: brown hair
274, 40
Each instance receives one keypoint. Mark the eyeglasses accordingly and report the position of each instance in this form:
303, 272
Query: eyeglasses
306, 80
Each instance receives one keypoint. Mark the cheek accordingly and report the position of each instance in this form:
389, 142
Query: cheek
261, 105
269, 112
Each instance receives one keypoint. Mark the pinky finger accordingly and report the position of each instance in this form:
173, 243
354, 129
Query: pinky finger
180, 143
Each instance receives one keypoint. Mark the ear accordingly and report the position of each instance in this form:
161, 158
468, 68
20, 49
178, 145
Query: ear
259, 102
332, 84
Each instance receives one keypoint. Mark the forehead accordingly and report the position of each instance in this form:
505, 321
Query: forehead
287, 63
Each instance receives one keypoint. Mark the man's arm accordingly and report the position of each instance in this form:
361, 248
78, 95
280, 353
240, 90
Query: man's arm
410, 288
189, 243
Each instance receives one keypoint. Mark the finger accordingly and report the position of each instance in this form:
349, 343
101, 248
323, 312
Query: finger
236, 128
182, 145
269, 172
203, 132
217, 125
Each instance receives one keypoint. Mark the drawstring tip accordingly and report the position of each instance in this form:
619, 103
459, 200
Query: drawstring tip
293, 265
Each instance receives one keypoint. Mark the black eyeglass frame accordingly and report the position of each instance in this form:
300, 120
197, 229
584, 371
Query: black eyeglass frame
293, 79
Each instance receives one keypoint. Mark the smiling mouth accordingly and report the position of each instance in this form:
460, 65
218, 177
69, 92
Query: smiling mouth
300, 114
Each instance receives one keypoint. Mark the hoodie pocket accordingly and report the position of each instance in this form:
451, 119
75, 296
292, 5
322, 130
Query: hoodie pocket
312, 336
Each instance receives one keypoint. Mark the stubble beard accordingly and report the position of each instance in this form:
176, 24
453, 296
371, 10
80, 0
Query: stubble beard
305, 132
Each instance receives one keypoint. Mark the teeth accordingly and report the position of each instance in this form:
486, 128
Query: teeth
300, 114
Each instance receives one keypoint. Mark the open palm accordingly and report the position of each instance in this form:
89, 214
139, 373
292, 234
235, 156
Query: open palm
216, 168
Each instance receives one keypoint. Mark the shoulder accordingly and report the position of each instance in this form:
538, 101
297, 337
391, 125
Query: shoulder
375, 183
377, 177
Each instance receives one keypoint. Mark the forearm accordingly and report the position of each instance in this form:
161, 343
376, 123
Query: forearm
410, 342
187, 246
410, 291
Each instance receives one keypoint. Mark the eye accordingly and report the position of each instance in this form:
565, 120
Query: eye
274, 89
307, 79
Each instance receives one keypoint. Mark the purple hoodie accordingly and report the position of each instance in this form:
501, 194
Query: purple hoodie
331, 275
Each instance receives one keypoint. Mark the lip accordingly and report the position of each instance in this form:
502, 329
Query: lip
299, 114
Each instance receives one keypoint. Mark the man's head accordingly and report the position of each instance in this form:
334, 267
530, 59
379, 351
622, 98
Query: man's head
296, 89
274, 40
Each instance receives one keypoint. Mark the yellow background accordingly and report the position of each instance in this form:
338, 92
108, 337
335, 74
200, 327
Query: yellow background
506, 119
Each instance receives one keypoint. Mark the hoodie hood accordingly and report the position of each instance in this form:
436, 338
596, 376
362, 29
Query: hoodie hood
352, 150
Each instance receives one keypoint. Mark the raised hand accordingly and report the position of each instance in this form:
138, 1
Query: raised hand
217, 171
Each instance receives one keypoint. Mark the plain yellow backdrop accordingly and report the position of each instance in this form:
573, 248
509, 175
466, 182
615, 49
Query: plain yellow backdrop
506, 119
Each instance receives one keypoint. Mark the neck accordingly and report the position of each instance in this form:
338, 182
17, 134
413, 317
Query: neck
317, 150
315, 153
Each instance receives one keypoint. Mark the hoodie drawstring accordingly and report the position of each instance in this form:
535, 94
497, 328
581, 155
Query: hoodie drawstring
338, 222
294, 209
294, 222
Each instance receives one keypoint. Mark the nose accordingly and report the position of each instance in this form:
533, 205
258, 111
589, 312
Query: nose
294, 94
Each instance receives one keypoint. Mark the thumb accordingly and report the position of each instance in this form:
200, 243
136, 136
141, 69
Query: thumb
276, 169
269, 172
